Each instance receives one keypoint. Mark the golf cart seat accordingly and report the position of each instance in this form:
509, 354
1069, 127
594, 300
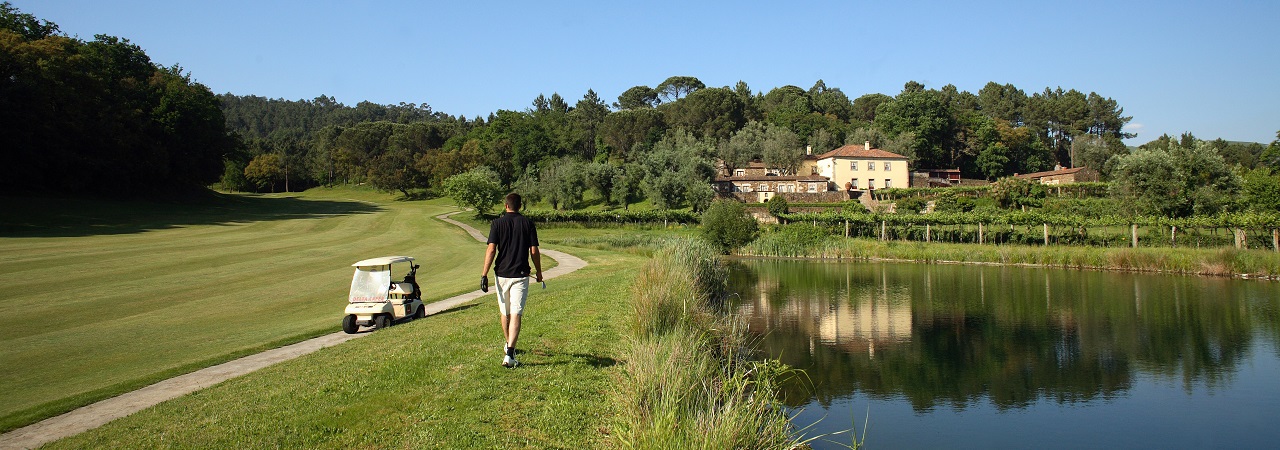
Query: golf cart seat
401, 289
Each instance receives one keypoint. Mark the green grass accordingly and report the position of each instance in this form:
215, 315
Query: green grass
1190, 261
102, 297
433, 383
689, 380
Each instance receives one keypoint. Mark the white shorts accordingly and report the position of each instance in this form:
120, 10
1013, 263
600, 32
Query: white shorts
511, 295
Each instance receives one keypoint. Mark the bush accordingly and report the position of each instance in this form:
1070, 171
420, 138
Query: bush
778, 206
1015, 193
950, 202
911, 205
727, 225
477, 188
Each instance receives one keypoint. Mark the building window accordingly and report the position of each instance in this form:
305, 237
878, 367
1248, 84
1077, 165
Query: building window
871, 165
763, 187
886, 166
855, 183
739, 172
813, 187
853, 165
871, 184
888, 183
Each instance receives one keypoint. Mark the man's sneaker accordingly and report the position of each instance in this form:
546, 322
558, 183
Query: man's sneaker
514, 363
508, 361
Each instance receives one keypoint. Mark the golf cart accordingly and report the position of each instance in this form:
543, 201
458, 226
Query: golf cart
377, 301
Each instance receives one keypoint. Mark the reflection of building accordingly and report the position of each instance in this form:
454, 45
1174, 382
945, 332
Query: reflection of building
861, 317
866, 323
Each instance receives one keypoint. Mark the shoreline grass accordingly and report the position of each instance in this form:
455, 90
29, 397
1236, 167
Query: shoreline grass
692, 382
794, 241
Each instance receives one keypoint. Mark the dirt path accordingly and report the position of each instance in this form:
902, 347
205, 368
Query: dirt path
98, 414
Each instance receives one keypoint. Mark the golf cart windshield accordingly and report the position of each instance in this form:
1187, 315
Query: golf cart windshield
370, 284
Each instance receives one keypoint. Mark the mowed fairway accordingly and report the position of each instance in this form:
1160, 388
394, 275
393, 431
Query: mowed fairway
432, 383
98, 298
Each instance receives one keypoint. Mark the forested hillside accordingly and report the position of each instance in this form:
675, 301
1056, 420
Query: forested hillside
998, 131
99, 117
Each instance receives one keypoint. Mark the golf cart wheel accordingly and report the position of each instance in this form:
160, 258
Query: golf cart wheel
422, 312
381, 322
349, 324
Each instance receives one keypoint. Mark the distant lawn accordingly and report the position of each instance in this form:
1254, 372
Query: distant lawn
102, 297
433, 383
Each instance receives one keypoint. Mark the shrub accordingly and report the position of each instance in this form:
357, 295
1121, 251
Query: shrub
1014, 193
778, 206
950, 202
727, 225
853, 207
477, 188
911, 205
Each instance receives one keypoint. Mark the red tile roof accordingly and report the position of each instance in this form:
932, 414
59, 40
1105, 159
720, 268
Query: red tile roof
810, 178
1051, 173
859, 151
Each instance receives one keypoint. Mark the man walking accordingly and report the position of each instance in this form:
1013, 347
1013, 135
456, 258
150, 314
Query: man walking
514, 240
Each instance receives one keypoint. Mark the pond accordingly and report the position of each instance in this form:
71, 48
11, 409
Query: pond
965, 356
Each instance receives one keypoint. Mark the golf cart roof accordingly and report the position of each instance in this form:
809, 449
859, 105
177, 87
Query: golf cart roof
382, 261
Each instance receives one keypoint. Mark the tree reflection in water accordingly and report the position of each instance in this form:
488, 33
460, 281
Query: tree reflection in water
956, 334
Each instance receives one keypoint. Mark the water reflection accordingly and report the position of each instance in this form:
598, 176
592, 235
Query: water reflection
955, 335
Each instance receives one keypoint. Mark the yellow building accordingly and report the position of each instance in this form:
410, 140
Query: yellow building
864, 168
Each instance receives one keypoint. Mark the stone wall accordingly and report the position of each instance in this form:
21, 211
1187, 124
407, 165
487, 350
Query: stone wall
796, 197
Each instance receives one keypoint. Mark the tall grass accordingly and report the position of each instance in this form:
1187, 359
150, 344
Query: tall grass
800, 242
692, 383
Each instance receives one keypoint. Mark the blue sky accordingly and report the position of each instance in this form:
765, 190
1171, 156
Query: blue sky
1206, 67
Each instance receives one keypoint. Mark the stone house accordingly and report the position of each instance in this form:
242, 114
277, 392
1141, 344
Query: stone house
860, 167
1062, 176
761, 188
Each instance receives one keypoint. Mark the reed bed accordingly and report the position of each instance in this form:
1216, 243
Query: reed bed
691, 382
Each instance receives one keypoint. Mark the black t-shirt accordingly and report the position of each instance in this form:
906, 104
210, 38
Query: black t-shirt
514, 234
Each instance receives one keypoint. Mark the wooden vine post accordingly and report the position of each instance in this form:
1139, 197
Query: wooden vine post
926, 232
1240, 237
883, 236
1046, 235
980, 231
1173, 235
1133, 233
1275, 239
846, 228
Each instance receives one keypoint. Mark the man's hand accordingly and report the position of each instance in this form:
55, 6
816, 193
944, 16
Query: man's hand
484, 283
538, 277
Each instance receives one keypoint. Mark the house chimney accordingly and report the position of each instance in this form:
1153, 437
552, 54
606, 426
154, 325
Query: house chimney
808, 149
866, 145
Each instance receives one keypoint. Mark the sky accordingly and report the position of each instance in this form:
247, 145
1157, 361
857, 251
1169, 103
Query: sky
1207, 67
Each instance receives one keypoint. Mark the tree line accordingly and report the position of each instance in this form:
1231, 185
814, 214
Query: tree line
82, 115
624, 149
99, 116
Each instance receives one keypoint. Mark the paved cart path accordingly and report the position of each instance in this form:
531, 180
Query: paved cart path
98, 414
